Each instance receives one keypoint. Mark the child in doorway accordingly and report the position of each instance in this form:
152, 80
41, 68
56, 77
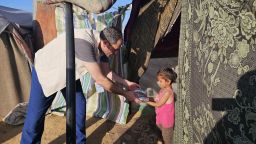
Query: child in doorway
164, 103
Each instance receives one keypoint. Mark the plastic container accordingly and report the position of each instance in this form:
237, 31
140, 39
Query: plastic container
141, 95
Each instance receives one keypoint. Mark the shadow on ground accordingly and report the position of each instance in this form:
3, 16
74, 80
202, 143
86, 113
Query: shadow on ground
7, 132
140, 128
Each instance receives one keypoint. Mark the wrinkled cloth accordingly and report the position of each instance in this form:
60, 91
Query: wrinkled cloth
17, 115
15, 72
92, 6
19, 17
145, 30
105, 105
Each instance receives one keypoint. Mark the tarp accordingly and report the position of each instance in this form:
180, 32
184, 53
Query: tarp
15, 56
149, 23
19, 17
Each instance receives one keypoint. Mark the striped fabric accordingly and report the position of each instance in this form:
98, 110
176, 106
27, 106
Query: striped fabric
104, 105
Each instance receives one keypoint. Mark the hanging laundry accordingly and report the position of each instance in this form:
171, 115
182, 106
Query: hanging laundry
106, 105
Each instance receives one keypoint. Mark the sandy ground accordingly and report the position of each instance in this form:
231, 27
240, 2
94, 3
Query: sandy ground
139, 129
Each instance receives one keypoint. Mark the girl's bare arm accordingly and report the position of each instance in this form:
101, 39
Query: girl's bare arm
162, 101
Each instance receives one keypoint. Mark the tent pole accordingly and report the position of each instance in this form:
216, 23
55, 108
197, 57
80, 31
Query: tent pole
70, 76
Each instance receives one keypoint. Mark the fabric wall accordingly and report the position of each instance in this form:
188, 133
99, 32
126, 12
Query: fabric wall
20, 17
152, 20
217, 73
44, 27
14, 69
168, 46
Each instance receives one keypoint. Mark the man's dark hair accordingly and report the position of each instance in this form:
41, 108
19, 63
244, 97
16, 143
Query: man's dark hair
111, 34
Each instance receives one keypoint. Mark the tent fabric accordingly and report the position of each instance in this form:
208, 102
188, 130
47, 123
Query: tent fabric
168, 46
19, 17
3, 23
9, 24
92, 6
23, 41
44, 27
169, 11
150, 25
14, 70
17, 115
176, 14
132, 20
105, 105
217, 77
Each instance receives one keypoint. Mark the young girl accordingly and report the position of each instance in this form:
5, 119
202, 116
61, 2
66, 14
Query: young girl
164, 103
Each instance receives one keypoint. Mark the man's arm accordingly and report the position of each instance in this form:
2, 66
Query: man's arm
94, 69
114, 77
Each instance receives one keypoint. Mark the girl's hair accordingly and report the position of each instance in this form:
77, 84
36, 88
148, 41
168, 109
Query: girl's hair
111, 34
168, 73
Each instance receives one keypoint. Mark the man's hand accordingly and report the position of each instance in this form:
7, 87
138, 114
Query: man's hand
132, 85
131, 96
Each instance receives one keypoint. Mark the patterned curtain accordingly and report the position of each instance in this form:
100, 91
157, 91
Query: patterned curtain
216, 101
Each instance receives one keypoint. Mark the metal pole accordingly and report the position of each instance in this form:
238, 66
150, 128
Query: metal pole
121, 63
70, 77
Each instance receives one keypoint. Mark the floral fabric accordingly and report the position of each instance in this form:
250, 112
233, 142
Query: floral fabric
217, 77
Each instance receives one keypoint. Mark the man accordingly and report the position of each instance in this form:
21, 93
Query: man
49, 76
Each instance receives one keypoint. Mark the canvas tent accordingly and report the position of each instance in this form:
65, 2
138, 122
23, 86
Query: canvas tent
15, 56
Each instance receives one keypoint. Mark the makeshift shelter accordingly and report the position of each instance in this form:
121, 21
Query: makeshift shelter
216, 63
15, 57
46, 32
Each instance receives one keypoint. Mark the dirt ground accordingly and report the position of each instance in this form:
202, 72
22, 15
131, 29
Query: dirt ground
140, 129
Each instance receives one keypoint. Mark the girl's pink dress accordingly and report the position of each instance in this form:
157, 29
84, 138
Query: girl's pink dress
165, 113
